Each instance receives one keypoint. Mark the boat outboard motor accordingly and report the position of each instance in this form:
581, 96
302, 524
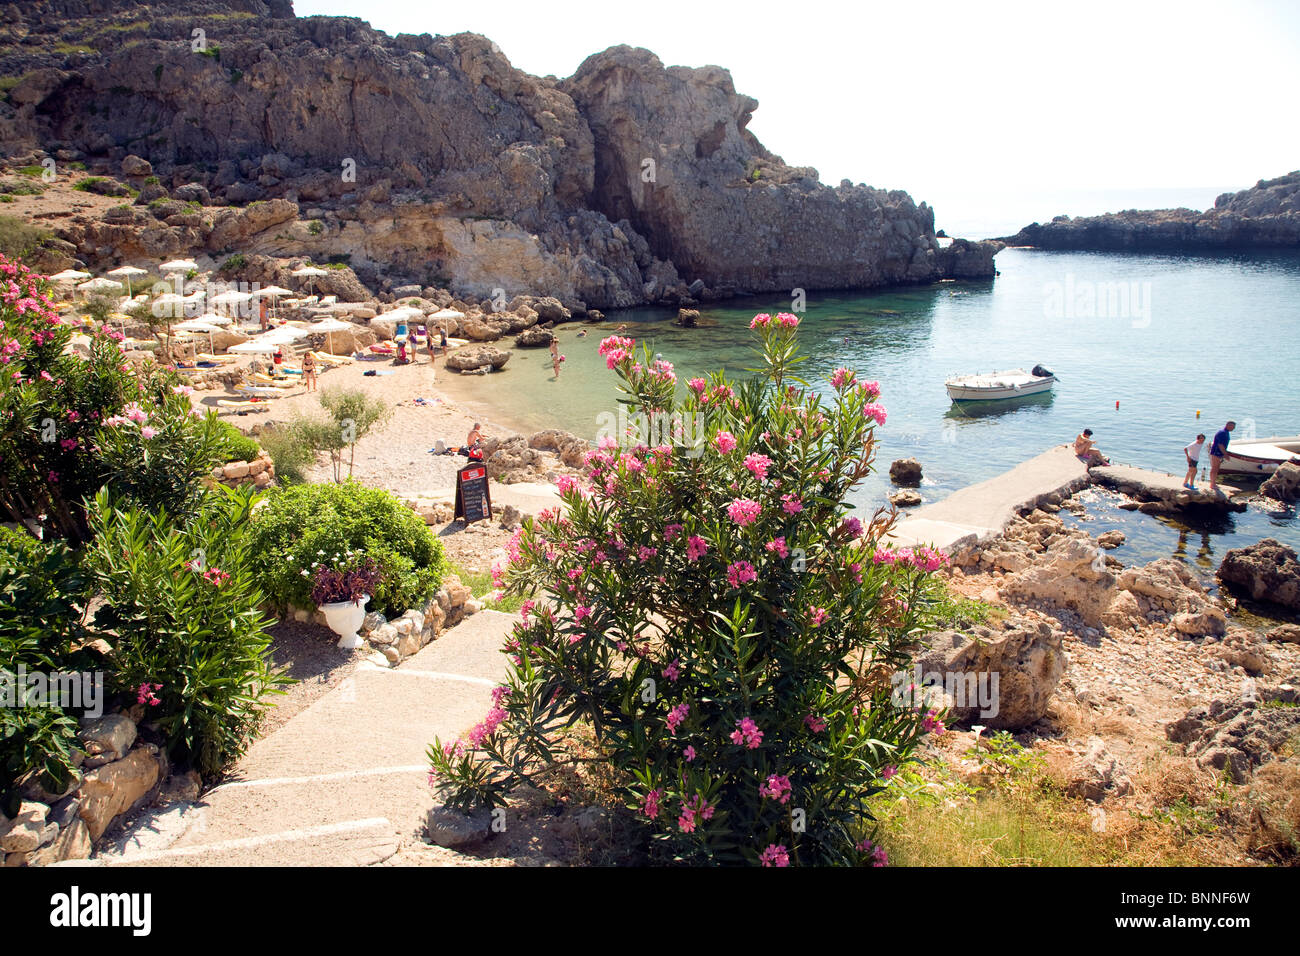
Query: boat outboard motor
1042, 371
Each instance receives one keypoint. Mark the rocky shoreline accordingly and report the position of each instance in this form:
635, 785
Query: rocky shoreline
1266, 216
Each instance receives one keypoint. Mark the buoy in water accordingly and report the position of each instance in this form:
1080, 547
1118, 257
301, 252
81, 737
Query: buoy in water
1117, 404
1198, 413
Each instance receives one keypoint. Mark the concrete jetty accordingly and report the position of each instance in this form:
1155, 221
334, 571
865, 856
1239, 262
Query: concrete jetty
975, 514
1162, 493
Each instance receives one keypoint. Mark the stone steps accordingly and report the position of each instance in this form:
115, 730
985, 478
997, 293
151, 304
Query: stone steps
345, 781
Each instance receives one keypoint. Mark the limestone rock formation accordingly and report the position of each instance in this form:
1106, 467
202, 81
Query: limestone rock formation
1266, 571
1283, 484
477, 356
432, 162
1264, 216
1028, 660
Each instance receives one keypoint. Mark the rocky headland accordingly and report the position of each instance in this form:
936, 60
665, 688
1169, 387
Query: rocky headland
1266, 216
235, 128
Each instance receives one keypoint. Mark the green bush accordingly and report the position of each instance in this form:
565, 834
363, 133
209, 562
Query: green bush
302, 526
21, 240
235, 445
184, 605
290, 452
43, 597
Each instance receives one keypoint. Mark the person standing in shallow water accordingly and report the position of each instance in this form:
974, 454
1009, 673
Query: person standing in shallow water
556, 357
1219, 449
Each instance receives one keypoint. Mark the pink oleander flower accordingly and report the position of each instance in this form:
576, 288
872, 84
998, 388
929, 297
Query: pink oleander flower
673, 671
689, 754
136, 414
68, 444
672, 531
791, 504
787, 320
818, 616
145, 694
932, 723
725, 442
740, 572
645, 554
758, 464
697, 385
148, 432
54, 476
814, 723
581, 613
841, 377
889, 772
760, 320
747, 733
696, 547
871, 390
777, 788
74, 416
744, 511
775, 855
778, 546
676, 716
878, 855
566, 483
853, 526
650, 803
872, 410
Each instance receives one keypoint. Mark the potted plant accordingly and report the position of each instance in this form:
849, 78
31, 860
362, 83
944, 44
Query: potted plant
342, 593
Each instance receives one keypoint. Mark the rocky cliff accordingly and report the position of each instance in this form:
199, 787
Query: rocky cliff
433, 160
1265, 216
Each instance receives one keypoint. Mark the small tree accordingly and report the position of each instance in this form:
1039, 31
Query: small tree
353, 413
726, 632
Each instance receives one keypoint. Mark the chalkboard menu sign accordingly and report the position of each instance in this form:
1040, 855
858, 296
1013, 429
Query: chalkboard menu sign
473, 498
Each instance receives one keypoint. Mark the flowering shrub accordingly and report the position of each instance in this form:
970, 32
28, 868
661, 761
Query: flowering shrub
725, 632
188, 636
71, 424
305, 527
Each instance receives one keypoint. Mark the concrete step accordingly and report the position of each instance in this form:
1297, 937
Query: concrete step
345, 781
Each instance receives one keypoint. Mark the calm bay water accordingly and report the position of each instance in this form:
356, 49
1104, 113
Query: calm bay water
1214, 334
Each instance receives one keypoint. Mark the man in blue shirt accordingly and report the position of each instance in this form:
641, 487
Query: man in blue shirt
1219, 448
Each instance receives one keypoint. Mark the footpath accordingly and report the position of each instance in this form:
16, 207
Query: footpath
345, 782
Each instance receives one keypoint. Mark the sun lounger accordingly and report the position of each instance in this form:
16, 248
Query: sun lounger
243, 406
333, 359
263, 391
383, 348
260, 379
220, 359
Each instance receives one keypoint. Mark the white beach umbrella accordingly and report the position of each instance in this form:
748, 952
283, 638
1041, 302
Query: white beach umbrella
255, 346
329, 325
212, 318
69, 275
126, 272
447, 314
178, 265
310, 273
231, 297
272, 291
194, 325
99, 285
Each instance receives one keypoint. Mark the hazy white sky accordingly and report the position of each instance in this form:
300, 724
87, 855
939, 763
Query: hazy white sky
944, 97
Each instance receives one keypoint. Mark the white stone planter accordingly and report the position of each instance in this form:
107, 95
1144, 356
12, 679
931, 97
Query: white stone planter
344, 619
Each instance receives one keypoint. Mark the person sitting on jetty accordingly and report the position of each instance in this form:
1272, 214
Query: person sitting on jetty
1218, 449
1086, 450
1193, 453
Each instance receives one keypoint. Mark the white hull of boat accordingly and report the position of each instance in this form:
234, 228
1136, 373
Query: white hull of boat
997, 385
1260, 456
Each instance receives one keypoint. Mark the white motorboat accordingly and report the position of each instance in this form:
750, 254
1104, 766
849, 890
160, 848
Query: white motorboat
1260, 456
999, 385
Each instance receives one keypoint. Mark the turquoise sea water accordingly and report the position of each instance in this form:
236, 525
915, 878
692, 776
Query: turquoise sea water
1166, 336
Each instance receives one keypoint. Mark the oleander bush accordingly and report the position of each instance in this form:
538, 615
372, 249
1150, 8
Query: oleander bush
303, 527
183, 604
711, 615
70, 425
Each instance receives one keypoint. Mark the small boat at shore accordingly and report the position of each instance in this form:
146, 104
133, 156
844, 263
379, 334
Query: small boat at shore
995, 386
1260, 456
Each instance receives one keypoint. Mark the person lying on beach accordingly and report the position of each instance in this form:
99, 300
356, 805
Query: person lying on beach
1086, 450
1193, 454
